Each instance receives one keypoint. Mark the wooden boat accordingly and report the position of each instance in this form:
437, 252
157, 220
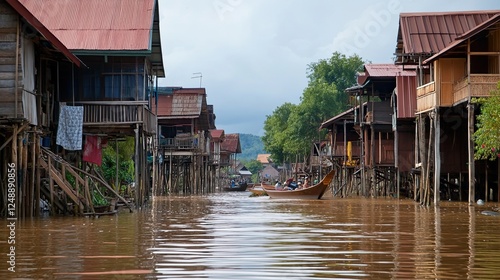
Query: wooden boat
238, 188
313, 192
267, 187
257, 190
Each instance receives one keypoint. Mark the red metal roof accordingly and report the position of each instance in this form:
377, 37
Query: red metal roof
181, 103
42, 29
217, 134
97, 24
429, 33
382, 71
231, 143
462, 38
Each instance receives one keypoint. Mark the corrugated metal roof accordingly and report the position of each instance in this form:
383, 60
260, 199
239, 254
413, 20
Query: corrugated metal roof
462, 38
42, 29
382, 71
182, 103
97, 24
429, 33
217, 134
231, 143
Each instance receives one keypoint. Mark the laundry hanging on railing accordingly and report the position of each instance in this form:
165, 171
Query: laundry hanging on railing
69, 130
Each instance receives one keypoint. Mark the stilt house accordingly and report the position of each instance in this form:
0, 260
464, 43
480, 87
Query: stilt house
184, 124
456, 59
30, 77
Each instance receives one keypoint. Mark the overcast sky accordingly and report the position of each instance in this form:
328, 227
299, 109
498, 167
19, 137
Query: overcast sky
253, 54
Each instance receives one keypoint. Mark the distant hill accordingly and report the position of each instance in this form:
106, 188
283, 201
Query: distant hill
251, 146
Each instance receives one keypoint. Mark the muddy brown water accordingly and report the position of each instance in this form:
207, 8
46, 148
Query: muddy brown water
234, 236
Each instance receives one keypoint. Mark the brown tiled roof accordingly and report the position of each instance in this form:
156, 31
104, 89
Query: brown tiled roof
231, 143
429, 33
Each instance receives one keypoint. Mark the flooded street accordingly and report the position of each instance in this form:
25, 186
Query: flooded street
234, 236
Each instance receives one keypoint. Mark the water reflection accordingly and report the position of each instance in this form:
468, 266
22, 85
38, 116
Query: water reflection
233, 236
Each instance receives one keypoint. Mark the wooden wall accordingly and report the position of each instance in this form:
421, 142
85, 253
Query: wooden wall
9, 40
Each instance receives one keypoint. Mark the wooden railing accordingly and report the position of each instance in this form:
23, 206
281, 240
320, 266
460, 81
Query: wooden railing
426, 89
100, 113
480, 85
80, 192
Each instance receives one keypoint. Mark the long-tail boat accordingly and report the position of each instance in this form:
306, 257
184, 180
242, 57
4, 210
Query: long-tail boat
313, 192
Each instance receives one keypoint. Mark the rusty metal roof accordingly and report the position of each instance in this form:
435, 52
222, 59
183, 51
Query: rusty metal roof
182, 103
42, 29
217, 134
382, 71
231, 143
429, 33
462, 38
96, 26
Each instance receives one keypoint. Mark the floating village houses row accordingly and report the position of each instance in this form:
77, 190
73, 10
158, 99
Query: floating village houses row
411, 127
76, 76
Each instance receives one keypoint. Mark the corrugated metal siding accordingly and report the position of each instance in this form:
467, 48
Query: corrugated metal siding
406, 87
182, 105
96, 24
431, 32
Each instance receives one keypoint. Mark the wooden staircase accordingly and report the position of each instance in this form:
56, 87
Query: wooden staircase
79, 192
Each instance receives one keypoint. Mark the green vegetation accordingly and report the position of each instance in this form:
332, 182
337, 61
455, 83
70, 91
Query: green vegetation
126, 164
291, 129
251, 146
253, 166
487, 135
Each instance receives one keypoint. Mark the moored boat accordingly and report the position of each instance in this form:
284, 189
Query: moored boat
241, 187
313, 192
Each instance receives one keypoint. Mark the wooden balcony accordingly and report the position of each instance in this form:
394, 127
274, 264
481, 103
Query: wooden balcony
426, 97
98, 113
479, 85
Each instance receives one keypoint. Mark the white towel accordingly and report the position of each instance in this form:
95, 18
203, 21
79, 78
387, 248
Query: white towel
69, 131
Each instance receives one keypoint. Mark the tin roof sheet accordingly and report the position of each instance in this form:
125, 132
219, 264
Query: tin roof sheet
97, 24
462, 38
429, 33
42, 29
182, 103
231, 143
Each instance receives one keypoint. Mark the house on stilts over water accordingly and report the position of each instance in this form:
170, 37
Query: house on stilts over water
78, 75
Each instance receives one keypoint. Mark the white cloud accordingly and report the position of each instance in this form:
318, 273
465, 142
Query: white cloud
253, 54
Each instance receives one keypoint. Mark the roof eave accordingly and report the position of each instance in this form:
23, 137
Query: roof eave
31, 19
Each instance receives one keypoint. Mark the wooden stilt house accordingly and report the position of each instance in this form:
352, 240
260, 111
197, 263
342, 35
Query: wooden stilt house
366, 140
456, 59
30, 77
119, 45
184, 124
468, 67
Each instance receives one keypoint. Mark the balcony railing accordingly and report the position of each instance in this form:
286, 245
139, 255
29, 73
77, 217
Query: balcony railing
111, 114
426, 96
480, 85
184, 143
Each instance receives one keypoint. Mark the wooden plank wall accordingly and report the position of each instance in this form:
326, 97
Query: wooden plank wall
8, 49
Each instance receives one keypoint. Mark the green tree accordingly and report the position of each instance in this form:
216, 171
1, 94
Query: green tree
277, 131
126, 171
291, 129
487, 135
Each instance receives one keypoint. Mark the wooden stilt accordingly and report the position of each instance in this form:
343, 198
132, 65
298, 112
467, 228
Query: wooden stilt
437, 158
472, 175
